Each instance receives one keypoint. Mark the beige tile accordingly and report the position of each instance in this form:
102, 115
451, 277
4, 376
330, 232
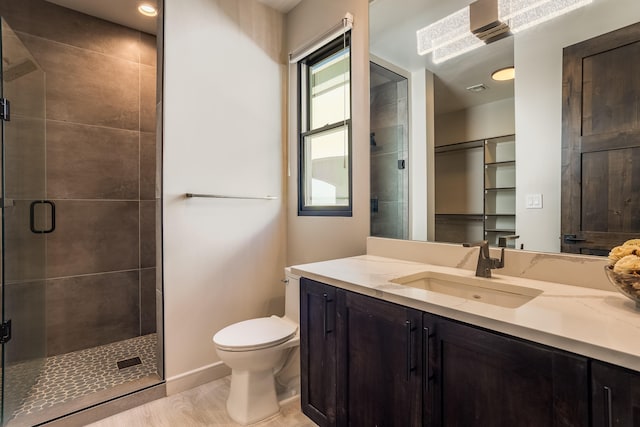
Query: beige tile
147, 301
25, 162
147, 234
24, 304
87, 311
148, 164
86, 87
147, 98
89, 162
93, 237
148, 49
50, 21
26, 261
23, 79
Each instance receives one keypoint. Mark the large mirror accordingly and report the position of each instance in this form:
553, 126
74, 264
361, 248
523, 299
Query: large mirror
427, 127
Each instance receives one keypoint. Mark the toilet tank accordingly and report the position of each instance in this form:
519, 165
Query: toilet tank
292, 296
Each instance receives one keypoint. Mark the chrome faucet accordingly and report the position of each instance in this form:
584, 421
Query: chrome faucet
485, 262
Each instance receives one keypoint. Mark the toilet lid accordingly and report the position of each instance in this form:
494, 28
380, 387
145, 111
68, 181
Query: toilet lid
254, 334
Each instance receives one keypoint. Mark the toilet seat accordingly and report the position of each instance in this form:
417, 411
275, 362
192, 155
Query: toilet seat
255, 334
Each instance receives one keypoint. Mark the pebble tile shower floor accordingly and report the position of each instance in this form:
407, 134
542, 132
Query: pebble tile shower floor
72, 375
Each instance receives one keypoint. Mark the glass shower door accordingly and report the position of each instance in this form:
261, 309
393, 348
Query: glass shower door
26, 218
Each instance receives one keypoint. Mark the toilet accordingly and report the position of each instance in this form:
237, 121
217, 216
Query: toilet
263, 355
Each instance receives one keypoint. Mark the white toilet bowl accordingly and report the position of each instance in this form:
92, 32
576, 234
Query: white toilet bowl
256, 350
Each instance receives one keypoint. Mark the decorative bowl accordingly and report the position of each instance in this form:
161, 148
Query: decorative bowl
627, 284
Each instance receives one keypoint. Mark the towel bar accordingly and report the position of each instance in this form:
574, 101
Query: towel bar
218, 196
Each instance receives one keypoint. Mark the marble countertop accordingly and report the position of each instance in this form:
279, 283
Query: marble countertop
599, 324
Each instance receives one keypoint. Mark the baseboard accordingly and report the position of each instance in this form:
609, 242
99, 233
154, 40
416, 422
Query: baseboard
196, 377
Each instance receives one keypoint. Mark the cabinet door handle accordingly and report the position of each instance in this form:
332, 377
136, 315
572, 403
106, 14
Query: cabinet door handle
425, 332
608, 411
326, 317
408, 328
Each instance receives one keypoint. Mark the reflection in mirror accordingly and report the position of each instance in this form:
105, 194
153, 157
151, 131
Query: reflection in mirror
442, 112
389, 143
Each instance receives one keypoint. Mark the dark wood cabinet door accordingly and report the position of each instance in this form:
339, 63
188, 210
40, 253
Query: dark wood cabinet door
615, 396
601, 142
318, 351
379, 363
481, 378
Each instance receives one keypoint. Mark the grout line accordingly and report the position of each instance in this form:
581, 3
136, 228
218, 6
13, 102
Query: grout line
96, 126
97, 200
94, 274
84, 49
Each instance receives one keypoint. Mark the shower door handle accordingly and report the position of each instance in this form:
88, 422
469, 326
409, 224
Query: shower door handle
32, 216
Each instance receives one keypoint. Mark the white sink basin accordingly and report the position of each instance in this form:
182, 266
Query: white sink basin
493, 291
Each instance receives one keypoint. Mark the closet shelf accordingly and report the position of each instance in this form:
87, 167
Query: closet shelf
500, 189
496, 164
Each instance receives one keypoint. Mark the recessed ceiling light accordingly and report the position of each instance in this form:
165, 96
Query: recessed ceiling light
503, 74
147, 9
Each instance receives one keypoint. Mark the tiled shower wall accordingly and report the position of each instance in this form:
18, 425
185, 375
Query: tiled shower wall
389, 145
101, 173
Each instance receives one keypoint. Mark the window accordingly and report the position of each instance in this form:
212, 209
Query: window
324, 186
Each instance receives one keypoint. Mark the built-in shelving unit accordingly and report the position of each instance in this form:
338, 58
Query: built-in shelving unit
476, 190
499, 188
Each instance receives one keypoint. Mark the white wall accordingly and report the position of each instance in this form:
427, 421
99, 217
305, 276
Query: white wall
538, 109
320, 238
223, 121
420, 123
479, 122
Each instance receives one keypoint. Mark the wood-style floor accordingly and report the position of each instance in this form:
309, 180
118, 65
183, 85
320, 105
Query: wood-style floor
201, 406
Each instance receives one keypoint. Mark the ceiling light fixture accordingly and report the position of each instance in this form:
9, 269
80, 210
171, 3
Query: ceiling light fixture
147, 9
504, 74
451, 36
448, 37
523, 14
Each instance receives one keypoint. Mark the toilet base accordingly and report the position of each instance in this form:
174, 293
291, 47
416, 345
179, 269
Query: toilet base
252, 396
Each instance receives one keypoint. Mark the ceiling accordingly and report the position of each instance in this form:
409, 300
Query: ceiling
392, 37
283, 6
124, 12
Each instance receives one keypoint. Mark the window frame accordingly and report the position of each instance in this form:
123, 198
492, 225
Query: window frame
304, 99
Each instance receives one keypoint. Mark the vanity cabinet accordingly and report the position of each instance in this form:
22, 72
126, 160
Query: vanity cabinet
379, 362
318, 361
361, 359
615, 396
474, 377
368, 362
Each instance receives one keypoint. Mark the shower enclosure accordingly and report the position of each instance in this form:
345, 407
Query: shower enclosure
389, 148
81, 289
26, 219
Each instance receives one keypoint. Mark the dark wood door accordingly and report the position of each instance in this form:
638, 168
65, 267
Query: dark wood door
318, 361
601, 142
379, 363
481, 378
615, 396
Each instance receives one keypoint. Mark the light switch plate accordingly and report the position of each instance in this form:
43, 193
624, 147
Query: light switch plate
534, 201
